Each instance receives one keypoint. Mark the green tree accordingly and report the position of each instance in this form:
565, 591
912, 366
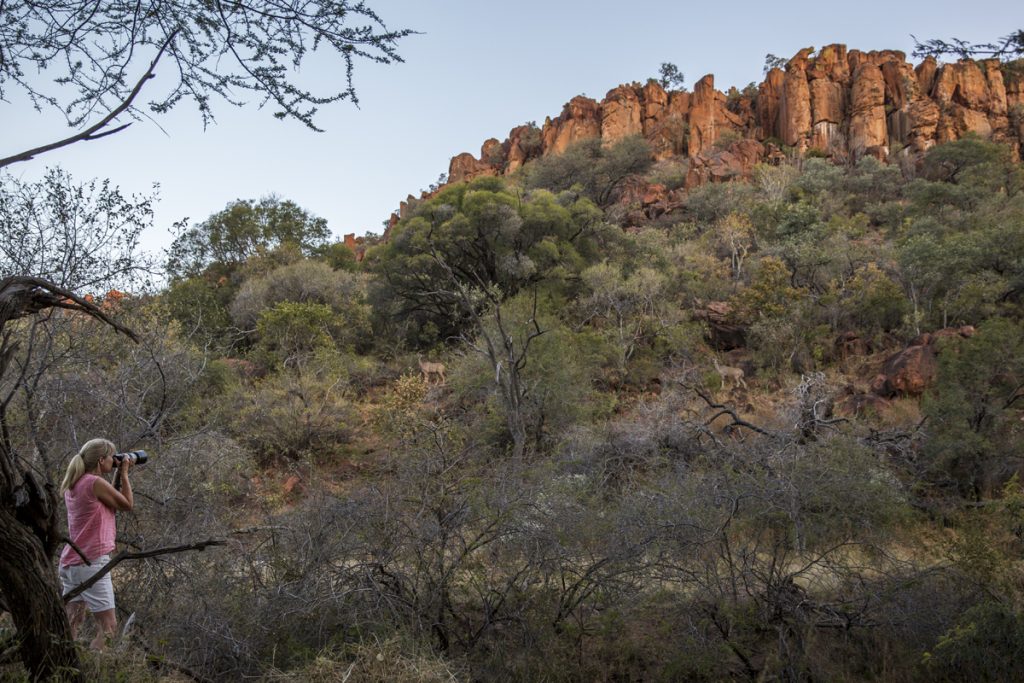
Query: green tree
974, 409
80, 236
245, 228
307, 282
481, 236
291, 332
599, 171
669, 76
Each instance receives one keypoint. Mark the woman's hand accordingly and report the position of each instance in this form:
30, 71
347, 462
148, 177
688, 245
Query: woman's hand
122, 500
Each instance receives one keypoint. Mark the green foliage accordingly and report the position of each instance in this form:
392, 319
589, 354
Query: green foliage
773, 62
80, 236
962, 254
201, 307
308, 282
597, 171
292, 331
242, 230
338, 256
400, 413
975, 409
295, 414
876, 303
984, 645
628, 311
770, 294
669, 76
474, 236
556, 380
227, 56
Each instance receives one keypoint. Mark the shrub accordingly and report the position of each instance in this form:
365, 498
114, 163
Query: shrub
296, 414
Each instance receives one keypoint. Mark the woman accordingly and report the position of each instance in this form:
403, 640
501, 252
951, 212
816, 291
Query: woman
91, 503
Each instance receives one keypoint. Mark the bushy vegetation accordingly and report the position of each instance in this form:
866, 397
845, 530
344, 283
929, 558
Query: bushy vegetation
584, 496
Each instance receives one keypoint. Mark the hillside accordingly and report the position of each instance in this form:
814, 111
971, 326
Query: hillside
581, 415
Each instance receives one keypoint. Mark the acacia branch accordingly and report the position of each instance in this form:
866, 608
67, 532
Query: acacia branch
95, 131
22, 295
724, 409
125, 555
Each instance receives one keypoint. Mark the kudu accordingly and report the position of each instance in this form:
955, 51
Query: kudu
428, 368
735, 374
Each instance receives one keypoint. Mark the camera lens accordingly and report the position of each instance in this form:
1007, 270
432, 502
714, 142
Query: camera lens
134, 457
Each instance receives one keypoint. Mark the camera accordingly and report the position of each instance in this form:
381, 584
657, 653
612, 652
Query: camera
134, 457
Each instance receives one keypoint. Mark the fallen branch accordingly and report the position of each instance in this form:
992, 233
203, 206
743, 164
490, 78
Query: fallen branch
122, 556
724, 409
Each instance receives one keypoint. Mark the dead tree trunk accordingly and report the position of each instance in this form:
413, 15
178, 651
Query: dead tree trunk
32, 594
29, 535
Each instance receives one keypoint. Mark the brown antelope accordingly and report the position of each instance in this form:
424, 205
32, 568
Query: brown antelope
428, 369
735, 374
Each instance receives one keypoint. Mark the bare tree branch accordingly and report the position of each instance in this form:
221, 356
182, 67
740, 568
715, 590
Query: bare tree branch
122, 556
95, 131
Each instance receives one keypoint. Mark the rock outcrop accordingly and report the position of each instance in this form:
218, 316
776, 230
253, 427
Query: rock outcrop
845, 104
910, 371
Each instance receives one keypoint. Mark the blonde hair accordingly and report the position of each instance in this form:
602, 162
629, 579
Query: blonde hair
86, 460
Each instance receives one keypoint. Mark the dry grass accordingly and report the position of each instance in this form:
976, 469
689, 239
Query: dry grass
393, 660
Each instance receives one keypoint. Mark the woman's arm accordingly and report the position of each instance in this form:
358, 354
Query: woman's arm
115, 500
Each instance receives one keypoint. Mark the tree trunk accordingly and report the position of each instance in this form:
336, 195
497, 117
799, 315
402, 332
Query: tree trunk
30, 589
29, 535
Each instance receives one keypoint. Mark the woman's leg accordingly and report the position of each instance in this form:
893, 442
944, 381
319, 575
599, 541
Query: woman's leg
106, 627
76, 615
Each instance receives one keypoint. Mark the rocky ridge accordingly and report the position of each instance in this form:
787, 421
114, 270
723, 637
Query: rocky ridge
834, 102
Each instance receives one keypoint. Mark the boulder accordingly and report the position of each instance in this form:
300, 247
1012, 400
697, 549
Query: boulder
912, 370
831, 62
962, 83
703, 128
723, 333
850, 344
466, 167
906, 373
655, 103
925, 72
856, 403
718, 166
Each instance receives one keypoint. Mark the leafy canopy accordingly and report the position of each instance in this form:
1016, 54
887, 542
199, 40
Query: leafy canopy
244, 229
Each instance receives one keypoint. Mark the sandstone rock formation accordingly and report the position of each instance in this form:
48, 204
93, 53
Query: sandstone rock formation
843, 103
723, 333
910, 371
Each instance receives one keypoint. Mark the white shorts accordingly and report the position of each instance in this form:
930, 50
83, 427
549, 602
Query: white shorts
99, 597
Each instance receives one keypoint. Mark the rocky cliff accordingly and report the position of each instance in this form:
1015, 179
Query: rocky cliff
844, 104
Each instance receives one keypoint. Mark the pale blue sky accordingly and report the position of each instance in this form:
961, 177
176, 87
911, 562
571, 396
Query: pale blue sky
478, 69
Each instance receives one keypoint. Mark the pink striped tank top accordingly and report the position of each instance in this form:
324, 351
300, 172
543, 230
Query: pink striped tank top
90, 523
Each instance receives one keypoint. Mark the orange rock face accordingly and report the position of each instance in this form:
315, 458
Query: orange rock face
868, 129
621, 114
580, 120
795, 106
719, 166
844, 104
